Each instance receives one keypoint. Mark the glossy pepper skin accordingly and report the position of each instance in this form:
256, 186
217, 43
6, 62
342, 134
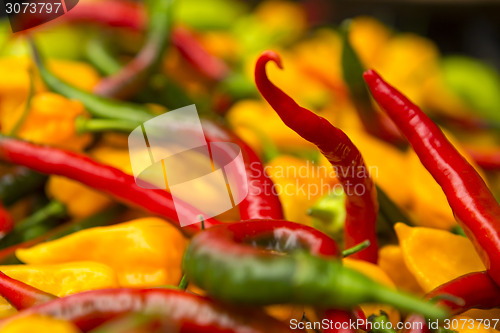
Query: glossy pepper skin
6, 222
98, 176
474, 206
189, 312
472, 291
361, 194
219, 255
22, 295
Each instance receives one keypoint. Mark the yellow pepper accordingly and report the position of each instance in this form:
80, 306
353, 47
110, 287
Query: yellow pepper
60, 279
378, 275
143, 252
15, 79
80, 200
50, 120
39, 324
436, 256
392, 263
299, 184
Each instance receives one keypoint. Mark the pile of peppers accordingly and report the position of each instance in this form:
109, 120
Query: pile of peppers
83, 248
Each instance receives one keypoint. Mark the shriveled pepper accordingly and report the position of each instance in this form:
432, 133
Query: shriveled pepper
361, 196
143, 252
187, 312
474, 206
221, 253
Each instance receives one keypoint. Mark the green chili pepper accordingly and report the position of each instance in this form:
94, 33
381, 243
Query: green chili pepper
223, 261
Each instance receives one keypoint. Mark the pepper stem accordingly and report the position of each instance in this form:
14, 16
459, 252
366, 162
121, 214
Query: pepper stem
184, 282
356, 248
408, 303
85, 125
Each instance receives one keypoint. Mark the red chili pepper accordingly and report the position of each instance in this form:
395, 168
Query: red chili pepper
114, 13
190, 313
416, 324
361, 195
98, 176
22, 295
475, 208
6, 222
472, 291
191, 49
261, 201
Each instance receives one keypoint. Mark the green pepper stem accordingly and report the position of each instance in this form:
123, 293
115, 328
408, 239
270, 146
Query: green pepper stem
381, 324
184, 282
356, 248
100, 107
54, 209
408, 303
84, 125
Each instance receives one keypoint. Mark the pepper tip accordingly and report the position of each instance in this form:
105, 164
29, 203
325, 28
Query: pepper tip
273, 56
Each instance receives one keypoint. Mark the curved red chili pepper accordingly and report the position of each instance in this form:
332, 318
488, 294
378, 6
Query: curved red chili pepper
361, 195
22, 295
190, 313
475, 208
261, 201
476, 290
100, 177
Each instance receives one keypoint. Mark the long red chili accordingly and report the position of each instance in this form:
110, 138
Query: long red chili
474, 206
361, 196
100, 177
472, 291
188, 312
21, 295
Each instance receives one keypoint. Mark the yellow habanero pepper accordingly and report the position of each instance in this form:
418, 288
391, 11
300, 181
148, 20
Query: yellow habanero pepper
377, 274
392, 263
81, 201
60, 279
299, 184
50, 120
143, 252
435, 256
250, 114
15, 78
39, 324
